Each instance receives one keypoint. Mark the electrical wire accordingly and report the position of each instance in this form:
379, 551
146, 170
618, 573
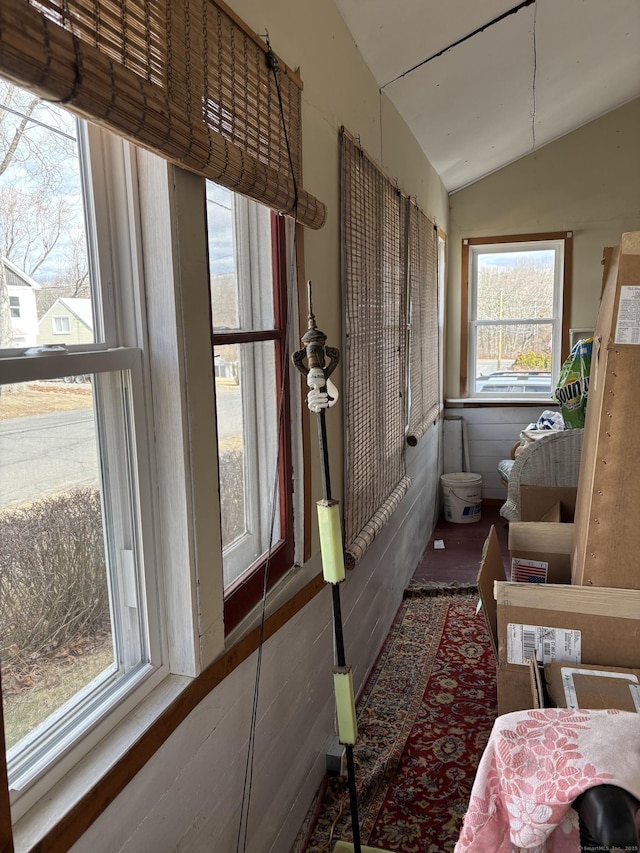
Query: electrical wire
459, 41
291, 281
535, 74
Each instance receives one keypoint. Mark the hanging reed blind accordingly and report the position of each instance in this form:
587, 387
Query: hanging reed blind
373, 242
184, 78
424, 390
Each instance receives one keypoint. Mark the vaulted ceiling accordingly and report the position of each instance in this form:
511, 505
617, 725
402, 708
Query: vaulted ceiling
482, 83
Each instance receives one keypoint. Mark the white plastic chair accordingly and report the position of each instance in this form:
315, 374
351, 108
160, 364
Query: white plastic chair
553, 460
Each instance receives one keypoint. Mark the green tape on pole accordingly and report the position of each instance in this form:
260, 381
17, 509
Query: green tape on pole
331, 541
345, 705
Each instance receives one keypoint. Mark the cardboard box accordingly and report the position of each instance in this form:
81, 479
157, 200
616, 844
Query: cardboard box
559, 621
545, 546
547, 503
592, 687
607, 533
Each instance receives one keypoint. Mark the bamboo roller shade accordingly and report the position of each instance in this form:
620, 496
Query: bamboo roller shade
373, 239
424, 391
184, 78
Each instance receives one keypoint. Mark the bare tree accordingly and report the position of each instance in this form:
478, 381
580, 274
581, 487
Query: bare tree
40, 198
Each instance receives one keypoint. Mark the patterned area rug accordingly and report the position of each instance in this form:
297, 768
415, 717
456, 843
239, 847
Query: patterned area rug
424, 719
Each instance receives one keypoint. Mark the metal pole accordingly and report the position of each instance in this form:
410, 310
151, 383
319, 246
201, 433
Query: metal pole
314, 351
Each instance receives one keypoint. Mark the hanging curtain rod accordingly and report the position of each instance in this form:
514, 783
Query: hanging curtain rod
463, 39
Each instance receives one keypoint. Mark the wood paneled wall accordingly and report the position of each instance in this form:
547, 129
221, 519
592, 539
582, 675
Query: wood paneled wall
491, 433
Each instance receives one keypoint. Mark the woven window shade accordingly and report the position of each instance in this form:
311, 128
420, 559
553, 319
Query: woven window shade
424, 391
373, 239
184, 78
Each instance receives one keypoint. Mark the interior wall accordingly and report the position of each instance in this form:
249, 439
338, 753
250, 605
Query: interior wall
587, 182
188, 796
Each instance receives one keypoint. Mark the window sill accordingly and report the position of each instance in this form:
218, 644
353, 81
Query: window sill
461, 402
49, 817
58, 820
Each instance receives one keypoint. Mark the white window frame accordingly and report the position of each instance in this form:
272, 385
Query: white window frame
560, 244
39, 764
14, 306
157, 327
253, 262
58, 326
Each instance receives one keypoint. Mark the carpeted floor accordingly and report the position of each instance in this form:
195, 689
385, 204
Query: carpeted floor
423, 720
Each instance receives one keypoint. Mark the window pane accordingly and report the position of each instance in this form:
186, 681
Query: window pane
513, 358
55, 622
69, 594
43, 244
240, 252
515, 285
247, 415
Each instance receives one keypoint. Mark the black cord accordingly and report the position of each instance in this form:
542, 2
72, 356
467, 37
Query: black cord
272, 61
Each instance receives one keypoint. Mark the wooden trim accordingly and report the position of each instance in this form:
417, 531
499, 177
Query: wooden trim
566, 294
441, 235
519, 238
464, 316
6, 832
566, 237
96, 800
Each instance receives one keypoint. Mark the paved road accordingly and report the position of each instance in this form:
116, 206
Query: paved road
44, 454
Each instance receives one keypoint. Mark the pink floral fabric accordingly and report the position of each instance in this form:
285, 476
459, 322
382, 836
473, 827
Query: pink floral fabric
534, 766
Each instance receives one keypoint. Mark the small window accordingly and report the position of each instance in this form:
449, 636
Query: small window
517, 293
14, 306
248, 309
61, 325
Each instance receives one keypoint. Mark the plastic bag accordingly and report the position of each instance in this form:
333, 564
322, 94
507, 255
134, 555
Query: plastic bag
573, 386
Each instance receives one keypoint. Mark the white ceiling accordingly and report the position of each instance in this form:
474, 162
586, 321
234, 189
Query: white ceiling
524, 81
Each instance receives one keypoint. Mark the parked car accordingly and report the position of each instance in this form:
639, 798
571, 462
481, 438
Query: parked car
515, 382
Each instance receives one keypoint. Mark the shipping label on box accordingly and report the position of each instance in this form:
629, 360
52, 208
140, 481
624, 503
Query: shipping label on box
536, 642
628, 322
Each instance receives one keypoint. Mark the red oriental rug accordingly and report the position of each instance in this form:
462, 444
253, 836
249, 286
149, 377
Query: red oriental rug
424, 719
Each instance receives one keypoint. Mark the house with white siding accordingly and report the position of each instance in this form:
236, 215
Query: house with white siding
21, 290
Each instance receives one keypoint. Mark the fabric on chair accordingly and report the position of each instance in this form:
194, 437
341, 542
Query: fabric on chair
535, 765
553, 460
504, 469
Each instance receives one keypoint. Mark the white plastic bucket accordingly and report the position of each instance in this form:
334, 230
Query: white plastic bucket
462, 495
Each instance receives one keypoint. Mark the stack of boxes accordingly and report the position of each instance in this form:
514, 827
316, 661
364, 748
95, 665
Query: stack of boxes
576, 553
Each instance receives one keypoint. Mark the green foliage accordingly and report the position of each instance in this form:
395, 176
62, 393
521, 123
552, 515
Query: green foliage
53, 583
533, 360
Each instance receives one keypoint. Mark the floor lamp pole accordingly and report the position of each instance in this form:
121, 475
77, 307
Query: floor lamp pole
321, 396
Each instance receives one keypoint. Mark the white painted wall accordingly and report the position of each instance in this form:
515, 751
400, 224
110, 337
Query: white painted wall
587, 182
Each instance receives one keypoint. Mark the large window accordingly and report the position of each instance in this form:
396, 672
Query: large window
77, 602
517, 293
249, 322
106, 487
